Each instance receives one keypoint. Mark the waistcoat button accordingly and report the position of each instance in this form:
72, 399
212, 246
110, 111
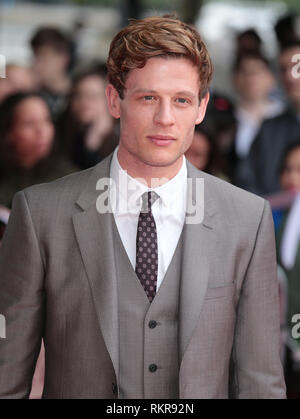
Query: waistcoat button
152, 324
152, 368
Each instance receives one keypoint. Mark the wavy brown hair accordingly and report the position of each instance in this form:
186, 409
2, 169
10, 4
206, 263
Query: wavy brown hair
152, 37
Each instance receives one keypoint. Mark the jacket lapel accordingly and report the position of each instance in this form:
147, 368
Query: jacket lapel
196, 259
94, 236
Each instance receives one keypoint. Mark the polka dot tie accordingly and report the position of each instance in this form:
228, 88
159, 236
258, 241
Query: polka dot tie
146, 246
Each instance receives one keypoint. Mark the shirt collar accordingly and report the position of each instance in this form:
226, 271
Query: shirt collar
172, 193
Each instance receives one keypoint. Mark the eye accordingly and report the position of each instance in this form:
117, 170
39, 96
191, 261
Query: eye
148, 98
182, 100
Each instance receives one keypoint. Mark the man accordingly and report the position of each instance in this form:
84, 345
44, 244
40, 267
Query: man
150, 301
52, 55
259, 172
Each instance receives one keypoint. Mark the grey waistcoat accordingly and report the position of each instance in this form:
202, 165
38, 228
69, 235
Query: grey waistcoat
144, 344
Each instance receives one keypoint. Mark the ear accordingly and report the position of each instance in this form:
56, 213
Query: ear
202, 108
113, 101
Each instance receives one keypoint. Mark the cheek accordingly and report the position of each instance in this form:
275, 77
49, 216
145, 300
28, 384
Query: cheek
297, 179
283, 180
134, 120
44, 64
24, 141
19, 136
50, 131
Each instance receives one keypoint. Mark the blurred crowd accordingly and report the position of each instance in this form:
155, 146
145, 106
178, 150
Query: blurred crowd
54, 121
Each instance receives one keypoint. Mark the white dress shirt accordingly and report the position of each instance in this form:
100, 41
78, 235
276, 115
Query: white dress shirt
168, 212
291, 235
248, 127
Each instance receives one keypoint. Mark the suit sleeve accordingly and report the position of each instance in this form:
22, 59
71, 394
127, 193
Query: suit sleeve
21, 301
256, 352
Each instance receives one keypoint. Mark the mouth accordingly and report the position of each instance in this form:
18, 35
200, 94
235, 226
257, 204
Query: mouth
161, 140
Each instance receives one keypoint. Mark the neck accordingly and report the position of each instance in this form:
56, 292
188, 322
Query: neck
59, 84
152, 176
255, 107
26, 162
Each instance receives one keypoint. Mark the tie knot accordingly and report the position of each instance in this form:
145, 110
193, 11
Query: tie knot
148, 199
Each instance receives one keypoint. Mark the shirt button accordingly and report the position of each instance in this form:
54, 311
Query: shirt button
152, 368
152, 324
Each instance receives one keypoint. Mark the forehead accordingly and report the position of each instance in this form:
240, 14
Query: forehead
295, 153
27, 105
165, 74
253, 63
92, 80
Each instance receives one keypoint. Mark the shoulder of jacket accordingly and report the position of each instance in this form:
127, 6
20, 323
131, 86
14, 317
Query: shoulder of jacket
234, 200
69, 185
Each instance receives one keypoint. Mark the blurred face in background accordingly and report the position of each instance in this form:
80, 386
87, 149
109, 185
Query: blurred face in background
32, 132
290, 175
253, 80
88, 101
199, 151
49, 64
289, 70
18, 79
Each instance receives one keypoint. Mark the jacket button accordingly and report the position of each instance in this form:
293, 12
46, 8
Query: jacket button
152, 324
152, 368
114, 388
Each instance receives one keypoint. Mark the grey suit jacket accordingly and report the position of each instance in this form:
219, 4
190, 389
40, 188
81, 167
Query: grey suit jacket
58, 282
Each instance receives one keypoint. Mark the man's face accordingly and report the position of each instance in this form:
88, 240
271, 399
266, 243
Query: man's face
88, 101
32, 131
253, 80
290, 176
289, 70
158, 113
49, 64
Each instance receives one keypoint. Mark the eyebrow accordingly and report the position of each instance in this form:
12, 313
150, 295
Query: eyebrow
181, 93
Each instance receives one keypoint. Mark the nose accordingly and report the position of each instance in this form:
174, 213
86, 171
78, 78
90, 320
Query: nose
164, 114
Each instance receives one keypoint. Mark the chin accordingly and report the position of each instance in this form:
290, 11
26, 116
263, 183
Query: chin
161, 161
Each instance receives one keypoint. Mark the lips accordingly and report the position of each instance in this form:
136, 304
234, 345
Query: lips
161, 140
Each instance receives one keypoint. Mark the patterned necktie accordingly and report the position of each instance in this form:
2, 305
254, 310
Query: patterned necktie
146, 246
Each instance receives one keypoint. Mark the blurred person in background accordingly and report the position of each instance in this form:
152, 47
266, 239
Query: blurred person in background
17, 79
52, 55
204, 152
4, 216
260, 172
286, 30
220, 120
253, 82
87, 130
28, 153
290, 171
248, 41
288, 251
